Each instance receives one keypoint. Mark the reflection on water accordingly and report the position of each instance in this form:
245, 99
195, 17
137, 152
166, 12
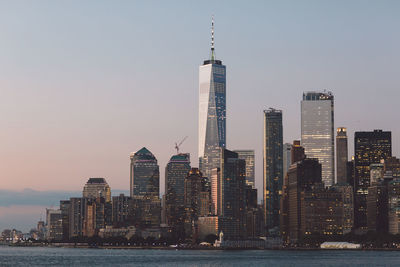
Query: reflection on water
31, 256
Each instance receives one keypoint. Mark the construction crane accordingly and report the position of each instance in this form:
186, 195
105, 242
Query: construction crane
180, 143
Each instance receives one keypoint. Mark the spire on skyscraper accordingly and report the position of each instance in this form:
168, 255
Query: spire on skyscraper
212, 38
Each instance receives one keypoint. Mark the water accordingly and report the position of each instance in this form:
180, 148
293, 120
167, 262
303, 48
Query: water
34, 256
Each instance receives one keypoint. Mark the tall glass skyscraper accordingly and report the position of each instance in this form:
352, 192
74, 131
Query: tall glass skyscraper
212, 111
317, 131
176, 171
145, 174
145, 189
273, 166
249, 157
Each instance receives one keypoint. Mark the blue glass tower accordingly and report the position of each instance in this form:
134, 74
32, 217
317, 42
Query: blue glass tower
212, 111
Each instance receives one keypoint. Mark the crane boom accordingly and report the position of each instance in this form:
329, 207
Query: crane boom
180, 143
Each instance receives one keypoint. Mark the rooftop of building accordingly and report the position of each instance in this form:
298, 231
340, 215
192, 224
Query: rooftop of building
315, 95
181, 157
143, 154
96, 181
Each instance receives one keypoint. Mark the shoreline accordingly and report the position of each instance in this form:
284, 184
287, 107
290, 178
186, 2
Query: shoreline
84, 246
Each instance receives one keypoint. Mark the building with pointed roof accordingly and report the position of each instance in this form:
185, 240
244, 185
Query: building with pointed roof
212, 111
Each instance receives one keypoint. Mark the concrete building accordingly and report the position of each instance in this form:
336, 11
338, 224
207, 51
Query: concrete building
377, 207
97, 187
341, 155
369, 148
301, 176
120, 211
64, 207
196, 199
54, 225
394, 206
322, 211
297, 152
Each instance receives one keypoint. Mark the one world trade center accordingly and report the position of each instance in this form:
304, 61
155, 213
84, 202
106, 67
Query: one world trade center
212, 111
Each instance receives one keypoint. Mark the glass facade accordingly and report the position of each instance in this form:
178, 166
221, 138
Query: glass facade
176, 171
145, 189
273, 166
145, 174
287, 156
232, 195
249, 157
212, 114
317, 131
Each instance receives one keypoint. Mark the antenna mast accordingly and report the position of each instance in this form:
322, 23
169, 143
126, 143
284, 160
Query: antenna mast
212, 38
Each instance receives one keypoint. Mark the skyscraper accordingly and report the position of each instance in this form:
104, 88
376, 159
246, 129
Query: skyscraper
145, 189
301, 177
317, 127
212, 111
228, 190
341, 155
369, 148
176, 171
249, 157
287, 155
97, 187
196, 196
145, 174
273, 166
297, 152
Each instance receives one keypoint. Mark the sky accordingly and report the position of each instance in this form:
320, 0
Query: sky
85, 83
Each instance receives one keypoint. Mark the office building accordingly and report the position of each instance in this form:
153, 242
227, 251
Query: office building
145, 174
76, 216
120, 211
212, 111
301, 176
97, 187
176, 171
322, 211
64, 207
297, 152
54, 225
228, 190
377, 207
394, 206
317, 131
287, 157
392, 164
369, 148
196, 201
273, 166
341, 155
249, 157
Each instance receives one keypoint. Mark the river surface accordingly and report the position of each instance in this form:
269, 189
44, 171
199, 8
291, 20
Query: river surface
35, 256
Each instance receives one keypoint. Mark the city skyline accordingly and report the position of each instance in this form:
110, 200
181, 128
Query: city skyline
43, 127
